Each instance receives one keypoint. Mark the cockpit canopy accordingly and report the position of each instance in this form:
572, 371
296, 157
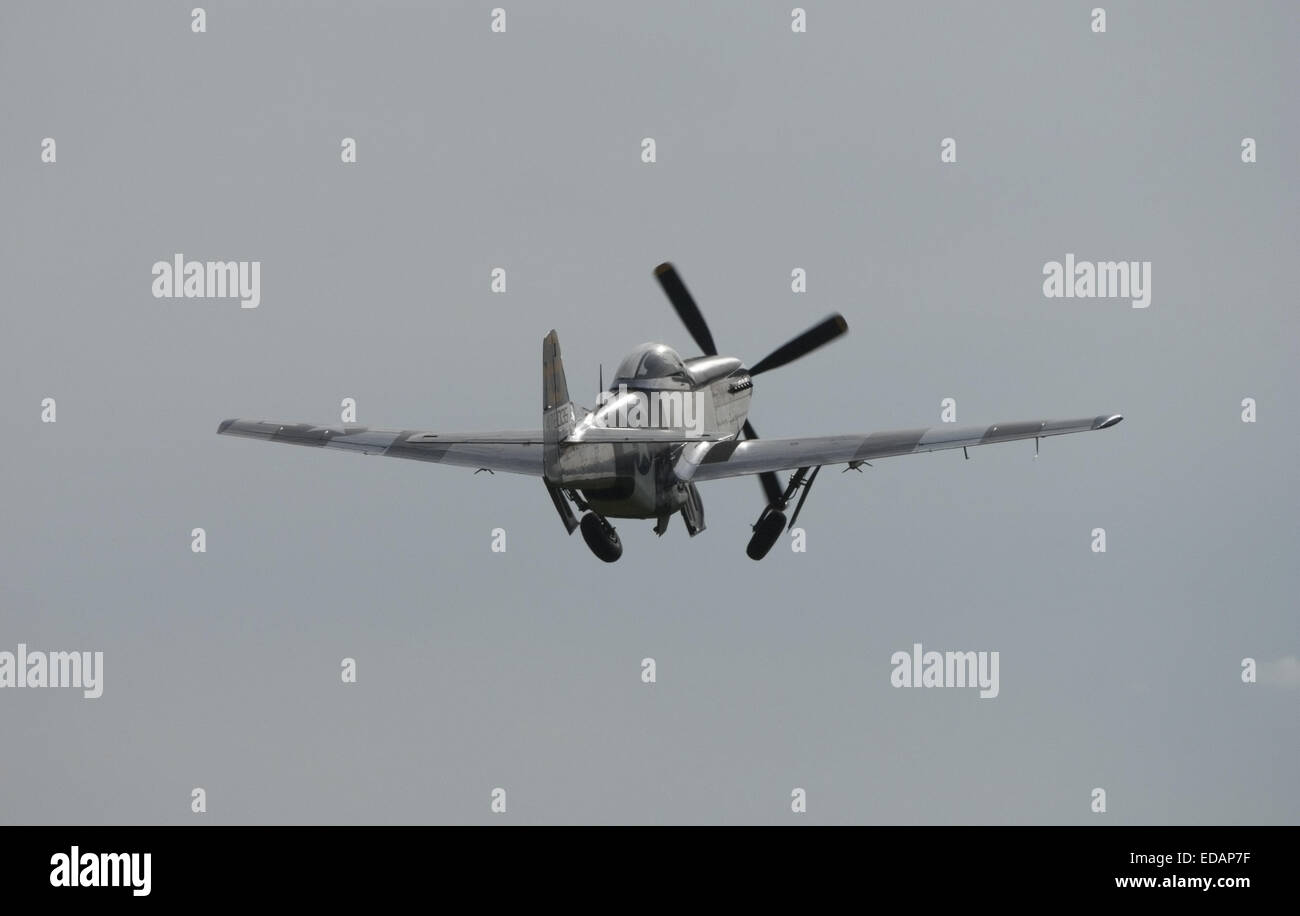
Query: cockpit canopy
651, 365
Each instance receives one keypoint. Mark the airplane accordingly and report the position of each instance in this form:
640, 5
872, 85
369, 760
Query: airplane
622, 460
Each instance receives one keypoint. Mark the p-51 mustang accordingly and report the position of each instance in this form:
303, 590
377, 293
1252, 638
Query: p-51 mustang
610, 462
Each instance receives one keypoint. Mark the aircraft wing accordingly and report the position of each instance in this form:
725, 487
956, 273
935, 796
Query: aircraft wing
732, 458
516, 452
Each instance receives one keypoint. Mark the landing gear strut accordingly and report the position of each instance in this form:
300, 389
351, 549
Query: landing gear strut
601, 537
772, 522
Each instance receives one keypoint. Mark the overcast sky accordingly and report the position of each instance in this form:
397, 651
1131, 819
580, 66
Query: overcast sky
775, 150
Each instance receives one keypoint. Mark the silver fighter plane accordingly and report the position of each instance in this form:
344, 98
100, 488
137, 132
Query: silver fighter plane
665, 425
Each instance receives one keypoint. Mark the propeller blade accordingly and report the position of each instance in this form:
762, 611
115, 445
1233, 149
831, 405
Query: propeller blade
772, 488
805, 343
686, 308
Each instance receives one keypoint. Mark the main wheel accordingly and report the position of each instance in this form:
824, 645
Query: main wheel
601, 537
766, 532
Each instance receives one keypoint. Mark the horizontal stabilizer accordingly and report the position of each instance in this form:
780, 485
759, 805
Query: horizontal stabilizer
624, 434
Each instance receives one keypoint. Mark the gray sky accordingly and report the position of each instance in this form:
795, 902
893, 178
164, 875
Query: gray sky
775, 151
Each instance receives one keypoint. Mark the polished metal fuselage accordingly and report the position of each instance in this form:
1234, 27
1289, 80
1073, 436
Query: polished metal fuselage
636, 479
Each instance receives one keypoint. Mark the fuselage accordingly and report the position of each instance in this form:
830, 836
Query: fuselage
657, 390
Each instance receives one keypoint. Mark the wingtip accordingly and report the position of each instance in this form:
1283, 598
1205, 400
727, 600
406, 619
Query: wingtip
1106, 422
224, 425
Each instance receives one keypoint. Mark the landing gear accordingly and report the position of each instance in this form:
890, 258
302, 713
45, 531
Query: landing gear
766, 531
693, 511
772, 522
601, 537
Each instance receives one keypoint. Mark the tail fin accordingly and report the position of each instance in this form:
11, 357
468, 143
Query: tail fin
557, 409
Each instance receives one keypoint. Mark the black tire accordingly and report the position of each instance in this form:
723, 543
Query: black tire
766, 532
601, 537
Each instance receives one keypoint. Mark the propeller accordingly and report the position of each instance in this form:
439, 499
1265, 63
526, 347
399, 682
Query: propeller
773, 489
817, 336
687, 310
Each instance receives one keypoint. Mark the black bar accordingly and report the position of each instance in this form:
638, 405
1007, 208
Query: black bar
334, 865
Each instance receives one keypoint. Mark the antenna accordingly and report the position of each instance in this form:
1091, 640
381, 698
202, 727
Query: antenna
602, 376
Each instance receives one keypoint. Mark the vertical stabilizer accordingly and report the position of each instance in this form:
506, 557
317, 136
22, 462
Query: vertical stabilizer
557, 409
